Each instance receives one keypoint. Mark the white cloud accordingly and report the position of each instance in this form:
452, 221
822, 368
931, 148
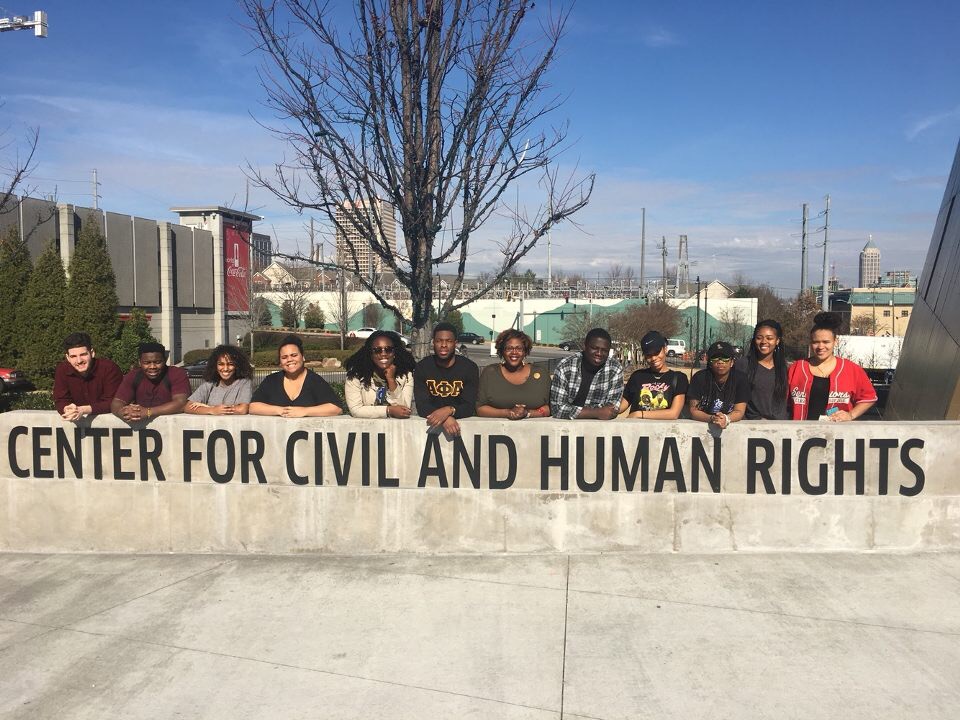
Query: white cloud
923, 124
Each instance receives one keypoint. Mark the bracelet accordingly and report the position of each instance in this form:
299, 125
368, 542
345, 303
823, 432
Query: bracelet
148, 413
726, 420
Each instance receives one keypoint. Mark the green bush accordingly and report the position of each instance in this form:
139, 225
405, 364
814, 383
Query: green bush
36, 400
192, 356
268, 358
267, 339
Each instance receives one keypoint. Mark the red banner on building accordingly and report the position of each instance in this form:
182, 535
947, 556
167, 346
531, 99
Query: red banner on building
236, 253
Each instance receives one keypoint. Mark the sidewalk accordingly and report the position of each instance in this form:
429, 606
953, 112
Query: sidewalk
549, 636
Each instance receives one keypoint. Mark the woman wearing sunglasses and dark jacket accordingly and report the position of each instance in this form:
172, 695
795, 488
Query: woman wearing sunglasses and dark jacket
380, 378
718, 395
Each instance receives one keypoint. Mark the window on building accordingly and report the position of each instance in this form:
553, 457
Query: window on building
904, 313
886, 313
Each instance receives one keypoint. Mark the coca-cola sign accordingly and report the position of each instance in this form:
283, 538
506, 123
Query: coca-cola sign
236, 254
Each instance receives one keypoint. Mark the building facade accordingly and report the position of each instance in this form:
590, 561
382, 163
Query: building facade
352, 220
880, 311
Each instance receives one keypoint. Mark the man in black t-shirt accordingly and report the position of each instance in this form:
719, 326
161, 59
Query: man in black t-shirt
444, 384
655, 392
719, 394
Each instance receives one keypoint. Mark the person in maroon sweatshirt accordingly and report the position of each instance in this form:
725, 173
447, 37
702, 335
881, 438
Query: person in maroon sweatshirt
84, 384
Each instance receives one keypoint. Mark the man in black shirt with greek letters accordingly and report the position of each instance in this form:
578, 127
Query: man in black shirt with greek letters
445, 384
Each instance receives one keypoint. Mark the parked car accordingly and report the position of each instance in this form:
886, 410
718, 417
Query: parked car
569, 345
197, 369
676, 347
470, 338
11, 379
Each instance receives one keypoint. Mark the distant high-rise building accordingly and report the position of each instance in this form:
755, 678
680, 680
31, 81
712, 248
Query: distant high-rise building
262, 251
351, 218
869, 264
898, 278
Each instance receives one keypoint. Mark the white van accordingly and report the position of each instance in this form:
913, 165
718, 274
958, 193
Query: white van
676, 347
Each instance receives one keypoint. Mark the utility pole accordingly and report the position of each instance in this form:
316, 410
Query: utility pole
696, 349
643, 245
663, 255
96, 191
803, 252
706, 297
825, 290
313, 251
549, 257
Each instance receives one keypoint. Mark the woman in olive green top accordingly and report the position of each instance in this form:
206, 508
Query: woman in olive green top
513, 389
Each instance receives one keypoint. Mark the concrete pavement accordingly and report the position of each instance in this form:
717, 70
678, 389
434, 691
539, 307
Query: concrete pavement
520, 636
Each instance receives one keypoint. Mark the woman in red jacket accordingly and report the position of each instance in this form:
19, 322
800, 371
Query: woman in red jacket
826, 387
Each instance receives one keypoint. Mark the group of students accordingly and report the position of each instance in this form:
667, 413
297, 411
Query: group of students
384, 381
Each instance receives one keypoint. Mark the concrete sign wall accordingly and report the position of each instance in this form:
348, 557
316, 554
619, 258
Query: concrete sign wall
197, 484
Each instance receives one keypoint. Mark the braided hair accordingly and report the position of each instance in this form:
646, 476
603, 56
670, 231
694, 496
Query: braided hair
360, 364
779, 359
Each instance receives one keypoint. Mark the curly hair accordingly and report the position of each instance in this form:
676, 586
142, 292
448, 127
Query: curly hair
512, 334
826, 321
239, 358
360, 364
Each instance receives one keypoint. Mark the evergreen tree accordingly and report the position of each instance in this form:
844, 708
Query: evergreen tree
14, 275
91, 301
40, 319
136, 330
314, 317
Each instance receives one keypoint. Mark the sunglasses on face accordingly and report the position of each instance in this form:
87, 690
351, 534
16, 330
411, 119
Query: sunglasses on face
720, 360
382, 350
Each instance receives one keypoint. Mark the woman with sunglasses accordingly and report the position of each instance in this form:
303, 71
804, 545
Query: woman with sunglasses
826, 387
380, 378
766, 368
226, 387
294, 391
718, 395
512, 389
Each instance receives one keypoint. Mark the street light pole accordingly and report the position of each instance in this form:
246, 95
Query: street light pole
23, 22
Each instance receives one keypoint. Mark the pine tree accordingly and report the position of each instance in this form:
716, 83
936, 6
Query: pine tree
14, 275
91, 301
136, 330
40, 319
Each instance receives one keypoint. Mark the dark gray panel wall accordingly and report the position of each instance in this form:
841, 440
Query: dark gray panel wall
82, 214
120, 248
203, 268
927, 383
39, 224
147, 255
183, 263
9, 216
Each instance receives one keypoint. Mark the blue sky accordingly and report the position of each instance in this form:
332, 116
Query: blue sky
720, 118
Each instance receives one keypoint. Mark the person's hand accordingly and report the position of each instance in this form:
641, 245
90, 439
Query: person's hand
390, 374
439, 416
219, 410
840, 416
720, 420
131, 412
608, 412
398, 411
291, 411
517, 412
451, 427
71, 412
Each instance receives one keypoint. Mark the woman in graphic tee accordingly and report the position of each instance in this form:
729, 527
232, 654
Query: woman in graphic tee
294, 391
827, 387
719, 394
380, 378
766, 368
654, 392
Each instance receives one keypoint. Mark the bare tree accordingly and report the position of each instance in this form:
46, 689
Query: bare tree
294, 297
434, 107
733, 327
15, 170
863, 325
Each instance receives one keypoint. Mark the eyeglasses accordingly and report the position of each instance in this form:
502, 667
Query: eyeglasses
383, 350
514, 348
720, 360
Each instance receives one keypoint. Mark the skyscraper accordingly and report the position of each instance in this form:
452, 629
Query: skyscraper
869, 264
351, 218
